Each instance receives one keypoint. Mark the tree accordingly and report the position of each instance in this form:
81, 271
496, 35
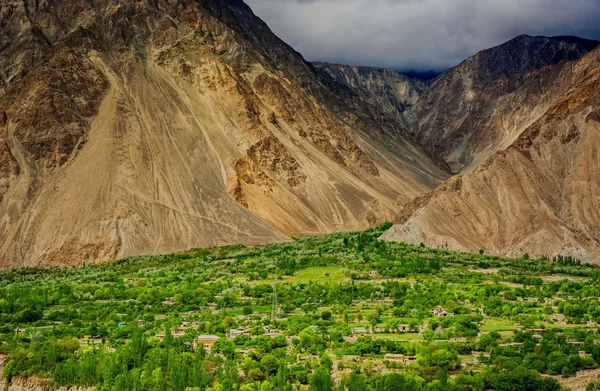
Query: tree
397, 382
557, 360
357, 383
321, 380
139, 345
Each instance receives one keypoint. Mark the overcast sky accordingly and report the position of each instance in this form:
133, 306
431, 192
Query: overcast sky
418, 34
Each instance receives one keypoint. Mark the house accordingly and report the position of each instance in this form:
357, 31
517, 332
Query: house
141, 322
459, 340
169, 302
512, 344
121, 324
439, 311
19, 331
270, 332
404, 328
400, 358
571, 341
528, 299
207, 341
235, 332
359, 330
87, 340
195, 325
373, 273
535, 330
537, 336
350, 338
177, 333
582, 354
126, 280
558, 317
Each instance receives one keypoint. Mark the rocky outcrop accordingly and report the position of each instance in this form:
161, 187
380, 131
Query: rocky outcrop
385, 88
35, 385
482, 105
149, 127
31, 384
540, 195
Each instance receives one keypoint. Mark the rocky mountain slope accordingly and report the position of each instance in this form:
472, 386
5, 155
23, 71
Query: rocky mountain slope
382, 87
486, 102
541, 194
132, 127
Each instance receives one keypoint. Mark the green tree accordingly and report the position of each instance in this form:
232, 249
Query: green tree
321, 380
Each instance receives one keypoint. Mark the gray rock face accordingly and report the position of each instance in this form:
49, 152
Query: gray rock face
383, 87
481, 105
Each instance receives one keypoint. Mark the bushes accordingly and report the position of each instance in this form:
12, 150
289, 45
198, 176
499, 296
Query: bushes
522, 380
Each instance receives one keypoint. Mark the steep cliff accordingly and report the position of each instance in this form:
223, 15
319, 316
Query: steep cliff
540, 195
131, 127
482, 105
385, 88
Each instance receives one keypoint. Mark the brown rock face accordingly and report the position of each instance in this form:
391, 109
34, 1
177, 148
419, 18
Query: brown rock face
132, 127
482, 105
540, 195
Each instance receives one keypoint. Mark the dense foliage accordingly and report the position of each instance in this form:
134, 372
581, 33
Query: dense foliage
352, 312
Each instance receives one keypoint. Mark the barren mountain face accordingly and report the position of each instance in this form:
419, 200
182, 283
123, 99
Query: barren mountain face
381, 87
132, 127
482, 105
540, 195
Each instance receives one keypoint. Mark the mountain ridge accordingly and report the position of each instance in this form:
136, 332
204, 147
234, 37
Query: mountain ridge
137, 127
537, 196
149, 127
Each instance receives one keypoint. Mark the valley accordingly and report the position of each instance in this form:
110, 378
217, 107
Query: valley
188, 204
342, 310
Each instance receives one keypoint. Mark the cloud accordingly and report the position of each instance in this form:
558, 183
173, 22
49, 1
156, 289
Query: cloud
418, 34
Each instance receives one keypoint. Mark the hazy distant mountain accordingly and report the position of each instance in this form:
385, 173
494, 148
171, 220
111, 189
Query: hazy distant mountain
382, 87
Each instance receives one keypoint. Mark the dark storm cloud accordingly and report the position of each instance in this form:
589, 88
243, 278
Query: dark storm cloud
418, 34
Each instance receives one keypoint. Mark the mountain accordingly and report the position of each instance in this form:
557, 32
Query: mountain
135, 127
385, 88
539, 195
482, 105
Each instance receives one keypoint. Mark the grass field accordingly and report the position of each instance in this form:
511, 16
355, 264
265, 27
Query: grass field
497, 325
332, 274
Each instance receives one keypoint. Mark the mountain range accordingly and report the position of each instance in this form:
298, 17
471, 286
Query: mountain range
137, 127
